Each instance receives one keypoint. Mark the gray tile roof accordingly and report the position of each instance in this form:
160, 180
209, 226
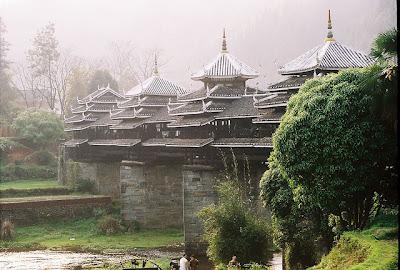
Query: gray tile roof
218, 91
105, 91
329, 56
77, 118
265, 142
128, 124
294, 82
224, 66
241, 108
269, 115
105, 121
156, 85
161, 116
176, 142
75, 142
193, 120
188, 108
115, 142
274, 100
72, 127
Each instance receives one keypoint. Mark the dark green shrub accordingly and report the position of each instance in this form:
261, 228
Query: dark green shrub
14, 172
84, 185
231, 228
7, 230
109, 225
41, 157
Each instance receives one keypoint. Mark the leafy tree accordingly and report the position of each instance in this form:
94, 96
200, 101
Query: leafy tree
43, 59
102, 78
385, 45
332, 145
230, 228
7, 93
39, 128
297, 229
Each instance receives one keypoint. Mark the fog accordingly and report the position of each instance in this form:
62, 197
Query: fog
264, 34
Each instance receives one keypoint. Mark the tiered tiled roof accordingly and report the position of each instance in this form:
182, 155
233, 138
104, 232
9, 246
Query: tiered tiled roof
329, 56
225, 66
93, 110
147, 102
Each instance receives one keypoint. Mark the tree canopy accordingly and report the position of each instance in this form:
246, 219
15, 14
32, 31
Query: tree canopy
102, 78
40, 128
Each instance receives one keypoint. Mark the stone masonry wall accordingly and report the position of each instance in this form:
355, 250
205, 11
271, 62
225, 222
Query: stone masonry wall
152, 194
198, 193
32, 211
105, 176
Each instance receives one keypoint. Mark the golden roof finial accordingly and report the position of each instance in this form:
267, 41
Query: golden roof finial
224, 50
155, 71
329, 36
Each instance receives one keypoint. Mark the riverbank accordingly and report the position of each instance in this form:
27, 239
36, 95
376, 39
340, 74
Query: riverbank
374, 248
81, 235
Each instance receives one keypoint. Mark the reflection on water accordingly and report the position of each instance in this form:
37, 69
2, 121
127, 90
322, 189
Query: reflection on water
276, 262
53, 260
45, 259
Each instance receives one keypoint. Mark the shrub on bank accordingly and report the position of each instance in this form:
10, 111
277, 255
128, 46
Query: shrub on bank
7, 230
109, 225
21, 171
232, 228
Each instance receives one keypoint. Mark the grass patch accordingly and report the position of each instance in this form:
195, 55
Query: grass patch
30, 184
374, 248
32, 187
58, 235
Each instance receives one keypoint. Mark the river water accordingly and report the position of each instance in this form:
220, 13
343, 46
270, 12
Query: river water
52, 260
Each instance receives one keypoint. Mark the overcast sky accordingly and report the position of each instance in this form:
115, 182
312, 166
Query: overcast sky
262, 33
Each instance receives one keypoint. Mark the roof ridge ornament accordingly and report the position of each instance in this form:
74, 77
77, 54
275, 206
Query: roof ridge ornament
155, 70
224, 49
329, 36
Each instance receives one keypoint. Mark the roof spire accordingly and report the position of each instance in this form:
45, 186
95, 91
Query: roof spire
329, 36
155, 71
224, 50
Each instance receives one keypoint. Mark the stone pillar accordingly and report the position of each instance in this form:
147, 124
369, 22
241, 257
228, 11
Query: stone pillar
198, 192
108, 179
152, 194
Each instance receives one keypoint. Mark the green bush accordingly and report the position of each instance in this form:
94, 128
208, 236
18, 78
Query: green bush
41, 157
84, 185
109, 225
231, 228
20, 171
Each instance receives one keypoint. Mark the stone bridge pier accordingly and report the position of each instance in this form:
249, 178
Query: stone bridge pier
157, 196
